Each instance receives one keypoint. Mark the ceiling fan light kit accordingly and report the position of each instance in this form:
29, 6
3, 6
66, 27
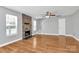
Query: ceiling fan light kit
47, 16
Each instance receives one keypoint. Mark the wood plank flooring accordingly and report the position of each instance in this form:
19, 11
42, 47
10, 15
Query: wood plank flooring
43, 44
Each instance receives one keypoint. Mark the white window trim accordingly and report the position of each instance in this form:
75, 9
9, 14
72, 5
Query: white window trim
11, 19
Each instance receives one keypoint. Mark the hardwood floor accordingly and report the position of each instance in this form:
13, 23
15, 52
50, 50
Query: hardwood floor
43, 44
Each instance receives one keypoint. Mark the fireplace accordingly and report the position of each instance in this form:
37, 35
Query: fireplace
27, 26
27, 34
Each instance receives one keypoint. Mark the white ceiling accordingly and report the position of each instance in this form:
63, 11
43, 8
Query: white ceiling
39, 10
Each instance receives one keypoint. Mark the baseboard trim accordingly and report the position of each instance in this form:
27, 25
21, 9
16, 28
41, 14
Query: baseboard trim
49, 34
73, 37
2, 45
63, 34
33, 34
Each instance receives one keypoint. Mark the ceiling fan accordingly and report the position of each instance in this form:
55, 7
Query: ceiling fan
48, 14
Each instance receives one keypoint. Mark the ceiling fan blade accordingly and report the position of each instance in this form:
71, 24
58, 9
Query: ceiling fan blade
50, 13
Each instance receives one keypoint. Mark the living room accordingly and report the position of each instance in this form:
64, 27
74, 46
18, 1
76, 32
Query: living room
39, 29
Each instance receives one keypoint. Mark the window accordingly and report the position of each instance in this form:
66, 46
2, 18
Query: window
11, 25
34, 22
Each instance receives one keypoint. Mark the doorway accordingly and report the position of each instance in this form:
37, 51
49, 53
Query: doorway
62, 26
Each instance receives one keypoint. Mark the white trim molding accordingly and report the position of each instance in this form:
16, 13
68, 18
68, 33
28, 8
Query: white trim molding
4, 44
62, 34
50, 34
73, 37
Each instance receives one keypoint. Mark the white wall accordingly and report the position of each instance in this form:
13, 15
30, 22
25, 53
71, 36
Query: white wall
38, 26
69, 25
72, 24
50, 26
76, 24
3, 37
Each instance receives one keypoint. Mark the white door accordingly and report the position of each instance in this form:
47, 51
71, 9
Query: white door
61, 26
